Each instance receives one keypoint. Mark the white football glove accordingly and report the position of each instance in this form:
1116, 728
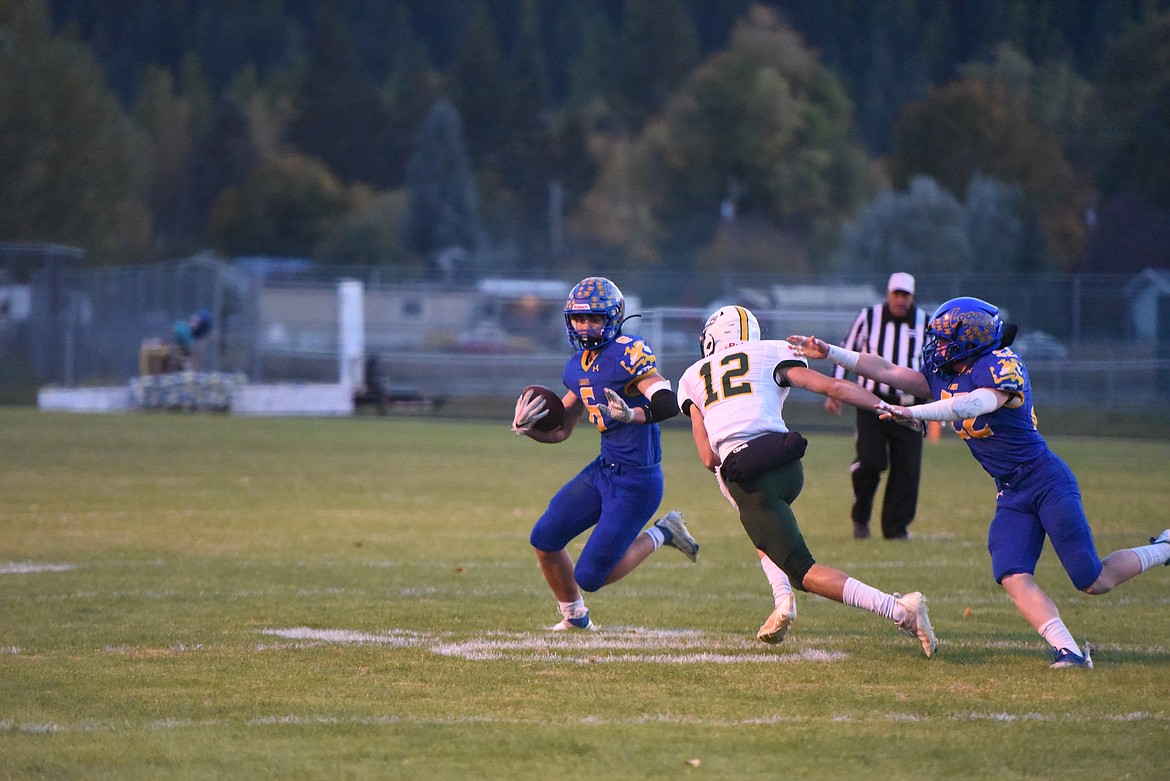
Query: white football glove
529, 409
617, 409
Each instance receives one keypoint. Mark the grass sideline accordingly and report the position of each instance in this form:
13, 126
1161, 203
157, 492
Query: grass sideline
193, 597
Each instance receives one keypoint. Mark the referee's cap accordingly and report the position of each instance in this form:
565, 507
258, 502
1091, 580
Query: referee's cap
901, 281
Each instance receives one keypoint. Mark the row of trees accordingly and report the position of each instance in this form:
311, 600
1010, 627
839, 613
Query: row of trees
783, 136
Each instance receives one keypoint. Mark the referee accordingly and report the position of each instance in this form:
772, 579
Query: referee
894, 330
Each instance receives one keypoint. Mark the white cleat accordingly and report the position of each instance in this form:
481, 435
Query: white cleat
680, 538
917, 622
776, 627
1163, 538
580, 623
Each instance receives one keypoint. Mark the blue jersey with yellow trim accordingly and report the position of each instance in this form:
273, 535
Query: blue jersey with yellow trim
617, 365
1006, 438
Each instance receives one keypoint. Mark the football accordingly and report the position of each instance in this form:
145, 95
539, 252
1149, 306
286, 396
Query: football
552, 401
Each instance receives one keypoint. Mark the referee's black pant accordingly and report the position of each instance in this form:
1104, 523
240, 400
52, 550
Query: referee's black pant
883, 445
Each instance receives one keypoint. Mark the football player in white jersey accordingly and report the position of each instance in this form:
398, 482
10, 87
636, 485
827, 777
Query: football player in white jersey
735, 397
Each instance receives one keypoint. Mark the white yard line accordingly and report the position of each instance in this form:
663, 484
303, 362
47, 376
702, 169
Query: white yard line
27, 567
619, 644
389, 720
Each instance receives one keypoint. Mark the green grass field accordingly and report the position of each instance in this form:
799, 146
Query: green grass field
190, 597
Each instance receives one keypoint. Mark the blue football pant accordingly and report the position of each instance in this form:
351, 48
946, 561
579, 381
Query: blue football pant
615, 501
1043, 502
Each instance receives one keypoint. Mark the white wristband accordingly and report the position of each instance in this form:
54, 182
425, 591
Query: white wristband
842, 357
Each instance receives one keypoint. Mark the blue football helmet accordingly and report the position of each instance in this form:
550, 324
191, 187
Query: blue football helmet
595, 296
200, 323
961, 329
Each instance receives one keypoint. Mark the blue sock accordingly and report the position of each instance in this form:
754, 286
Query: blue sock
660, 535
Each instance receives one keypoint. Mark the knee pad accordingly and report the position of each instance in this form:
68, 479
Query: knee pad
588, 578
541, 541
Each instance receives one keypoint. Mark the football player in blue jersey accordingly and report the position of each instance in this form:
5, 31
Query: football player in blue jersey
612, 378
982, 388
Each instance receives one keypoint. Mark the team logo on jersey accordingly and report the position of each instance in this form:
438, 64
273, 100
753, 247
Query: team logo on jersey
638, 358
1008, 374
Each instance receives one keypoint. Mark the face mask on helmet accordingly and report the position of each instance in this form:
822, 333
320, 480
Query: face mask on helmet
595, 296
729, 326
960, 330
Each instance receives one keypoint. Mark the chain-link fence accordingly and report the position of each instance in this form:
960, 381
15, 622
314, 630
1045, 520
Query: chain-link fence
1101, 340
87, 326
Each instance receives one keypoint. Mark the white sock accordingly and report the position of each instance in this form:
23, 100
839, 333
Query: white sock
1152, 555
574, 609
1056, 634
781, 587
655, 535
857, 594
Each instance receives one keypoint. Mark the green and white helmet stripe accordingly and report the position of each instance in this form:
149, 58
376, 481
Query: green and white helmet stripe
728, 326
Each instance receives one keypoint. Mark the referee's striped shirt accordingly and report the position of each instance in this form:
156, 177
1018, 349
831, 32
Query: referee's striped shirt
898, 341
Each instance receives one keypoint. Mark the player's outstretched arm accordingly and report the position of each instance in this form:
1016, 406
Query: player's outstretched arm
842, 390
868, 365
965, 406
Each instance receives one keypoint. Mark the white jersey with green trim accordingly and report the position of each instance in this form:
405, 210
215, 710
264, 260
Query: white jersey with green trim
738, 393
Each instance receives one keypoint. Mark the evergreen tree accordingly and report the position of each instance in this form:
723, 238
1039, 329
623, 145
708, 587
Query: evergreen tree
340, 115
165, 118
442, 219
363, 79
223, 157
588, 28
524, 167
1134, 120
411, 88
70, 172
1130, 149
477, 88
657, 49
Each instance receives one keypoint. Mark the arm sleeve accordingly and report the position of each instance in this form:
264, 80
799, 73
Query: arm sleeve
663, 406
963, 407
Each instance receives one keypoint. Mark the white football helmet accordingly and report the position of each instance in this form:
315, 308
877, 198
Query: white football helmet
729, 326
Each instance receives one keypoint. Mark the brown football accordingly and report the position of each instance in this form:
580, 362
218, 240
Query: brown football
552, 402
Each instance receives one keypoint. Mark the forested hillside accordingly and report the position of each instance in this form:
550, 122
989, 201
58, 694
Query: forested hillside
532, 135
